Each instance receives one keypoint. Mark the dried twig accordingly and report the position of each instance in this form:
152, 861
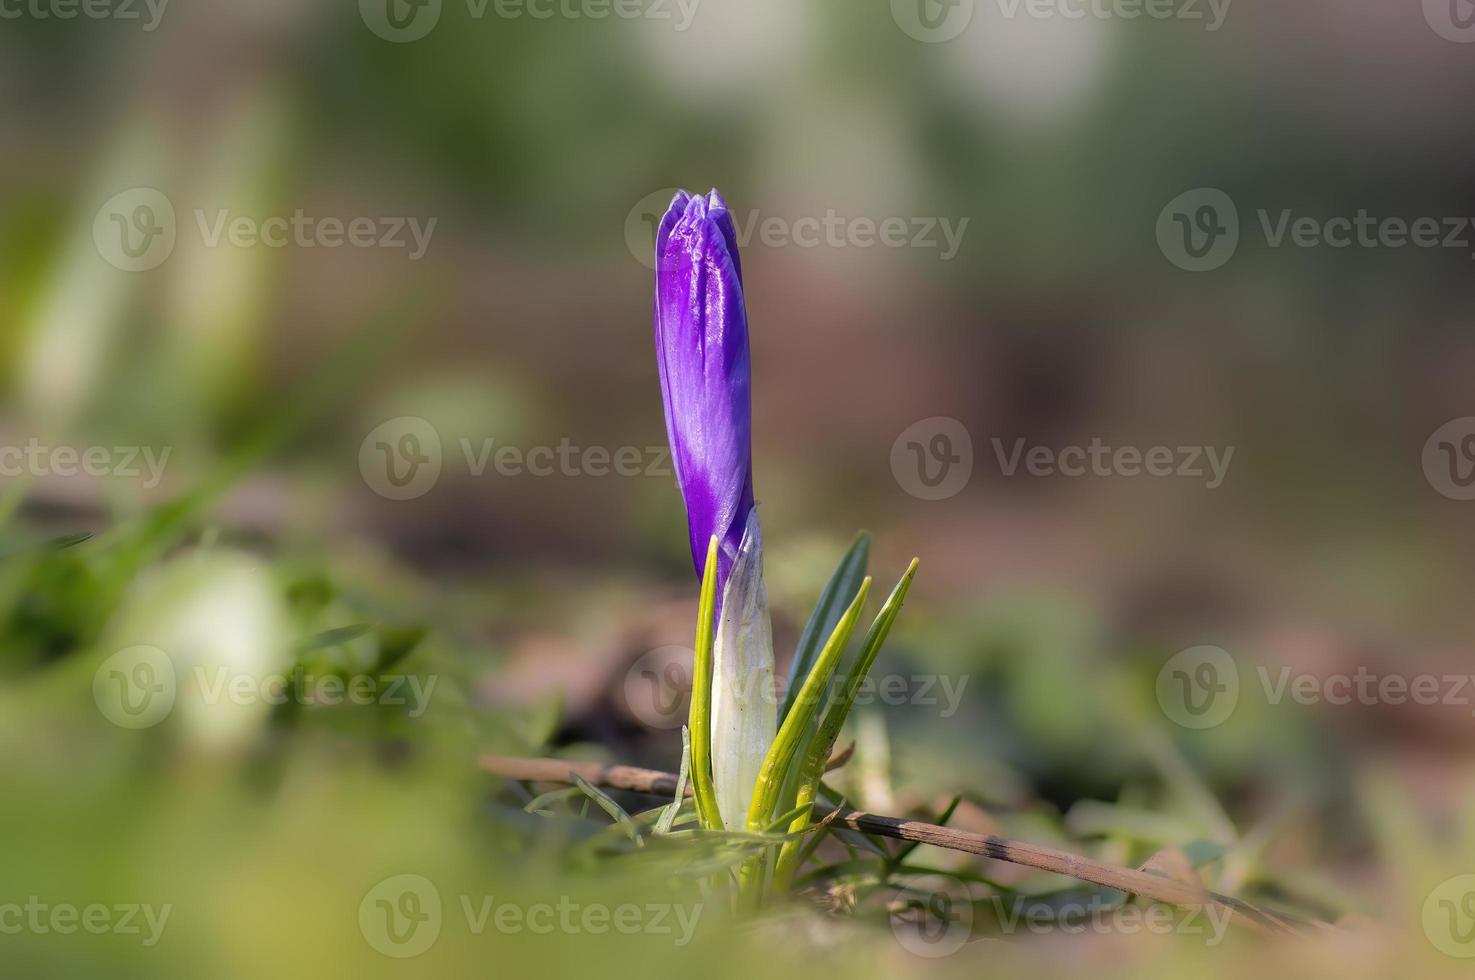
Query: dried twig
1136, 882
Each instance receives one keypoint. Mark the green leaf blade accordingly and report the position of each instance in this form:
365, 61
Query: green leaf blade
844, 583
700, 718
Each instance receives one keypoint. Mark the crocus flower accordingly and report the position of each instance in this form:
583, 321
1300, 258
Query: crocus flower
702, 354
701, 333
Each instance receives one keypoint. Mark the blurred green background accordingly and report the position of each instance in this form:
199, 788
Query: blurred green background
230, 417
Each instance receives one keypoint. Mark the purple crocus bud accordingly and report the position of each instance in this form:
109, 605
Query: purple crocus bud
702, 352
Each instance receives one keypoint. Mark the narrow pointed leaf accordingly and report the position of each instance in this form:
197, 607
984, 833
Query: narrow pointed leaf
812, 766
781, 753
777, 824
333, 637
668, 815
539, 804
844, 583
608, 805
834, 720
700, 719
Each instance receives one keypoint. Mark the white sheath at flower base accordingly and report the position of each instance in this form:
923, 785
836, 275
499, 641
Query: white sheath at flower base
744, 709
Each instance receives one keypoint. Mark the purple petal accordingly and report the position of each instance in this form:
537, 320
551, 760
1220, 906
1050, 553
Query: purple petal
717, 208
701, 333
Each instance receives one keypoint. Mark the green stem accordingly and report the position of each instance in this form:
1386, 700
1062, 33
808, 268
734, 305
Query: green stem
700, 719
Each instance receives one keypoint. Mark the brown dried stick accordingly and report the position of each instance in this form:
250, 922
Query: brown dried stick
1144, 883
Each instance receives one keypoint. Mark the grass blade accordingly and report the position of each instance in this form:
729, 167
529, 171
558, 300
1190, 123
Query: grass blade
829, 730
781, 753
333, 637
844, 583
668, 815
608, 805
539, 804
777, 824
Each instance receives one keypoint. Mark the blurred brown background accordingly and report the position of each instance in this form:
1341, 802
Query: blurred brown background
980, 211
